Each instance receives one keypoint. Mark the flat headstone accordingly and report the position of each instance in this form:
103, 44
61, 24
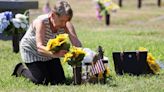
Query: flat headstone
14, 5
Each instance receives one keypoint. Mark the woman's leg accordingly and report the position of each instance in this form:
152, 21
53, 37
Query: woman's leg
42, 72
39, 72
56, 72
21, 70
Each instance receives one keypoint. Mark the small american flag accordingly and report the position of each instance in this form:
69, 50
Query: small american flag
98, 67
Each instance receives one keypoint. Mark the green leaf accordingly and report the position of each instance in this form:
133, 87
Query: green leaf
65, 46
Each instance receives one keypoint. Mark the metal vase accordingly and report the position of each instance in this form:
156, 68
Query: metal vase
77, 70
15, 41
107, 18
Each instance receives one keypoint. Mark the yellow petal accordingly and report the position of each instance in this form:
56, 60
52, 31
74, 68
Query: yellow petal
142, 49
49, 44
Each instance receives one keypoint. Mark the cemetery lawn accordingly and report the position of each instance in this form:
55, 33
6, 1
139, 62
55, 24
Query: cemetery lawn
130, 29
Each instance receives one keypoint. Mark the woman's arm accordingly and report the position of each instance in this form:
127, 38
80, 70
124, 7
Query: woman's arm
40, 36
72, 34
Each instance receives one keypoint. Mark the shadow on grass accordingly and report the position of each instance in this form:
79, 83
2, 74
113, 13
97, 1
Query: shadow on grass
5, 38
109, 81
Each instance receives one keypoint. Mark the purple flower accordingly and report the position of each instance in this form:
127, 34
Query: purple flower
5, 18
8, 15
99, 16
107, 4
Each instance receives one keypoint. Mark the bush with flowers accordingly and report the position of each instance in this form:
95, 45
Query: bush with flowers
10, 24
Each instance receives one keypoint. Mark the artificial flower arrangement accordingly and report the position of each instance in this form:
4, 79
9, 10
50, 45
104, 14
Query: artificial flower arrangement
107, 72
75, 56
151, 61
105, 6
92, 57
10, 24
58, 43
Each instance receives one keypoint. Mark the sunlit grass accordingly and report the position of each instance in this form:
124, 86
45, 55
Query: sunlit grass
130, 29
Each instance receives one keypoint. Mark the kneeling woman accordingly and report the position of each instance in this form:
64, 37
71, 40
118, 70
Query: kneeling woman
44, 67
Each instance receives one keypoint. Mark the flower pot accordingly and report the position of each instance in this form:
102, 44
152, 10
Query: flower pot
77, 70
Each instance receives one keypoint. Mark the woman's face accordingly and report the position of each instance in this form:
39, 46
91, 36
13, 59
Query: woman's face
60, 21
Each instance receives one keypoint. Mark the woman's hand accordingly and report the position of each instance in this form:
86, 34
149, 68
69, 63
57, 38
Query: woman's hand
59, 54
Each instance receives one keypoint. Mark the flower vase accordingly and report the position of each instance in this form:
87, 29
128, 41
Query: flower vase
15, 41
107, 18
77, 70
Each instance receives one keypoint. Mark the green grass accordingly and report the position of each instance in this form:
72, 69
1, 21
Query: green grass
130, 29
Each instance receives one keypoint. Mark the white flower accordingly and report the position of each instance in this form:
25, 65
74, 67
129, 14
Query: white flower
23, 25
5, 22
16, 22
105, 58
22, 17
89, 55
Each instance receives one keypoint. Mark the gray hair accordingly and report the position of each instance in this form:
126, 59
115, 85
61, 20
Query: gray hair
63, 8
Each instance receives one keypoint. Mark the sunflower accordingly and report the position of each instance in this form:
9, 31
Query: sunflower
74, 56
62, 38
58, 43
151, 61
51, 44
67, 57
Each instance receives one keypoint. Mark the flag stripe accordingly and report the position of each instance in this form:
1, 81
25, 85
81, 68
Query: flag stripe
98, 67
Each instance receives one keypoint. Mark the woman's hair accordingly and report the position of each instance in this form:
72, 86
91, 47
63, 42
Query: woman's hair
62, 8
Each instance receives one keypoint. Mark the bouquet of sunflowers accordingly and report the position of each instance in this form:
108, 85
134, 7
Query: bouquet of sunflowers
75, 56
58, 43
154, 66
